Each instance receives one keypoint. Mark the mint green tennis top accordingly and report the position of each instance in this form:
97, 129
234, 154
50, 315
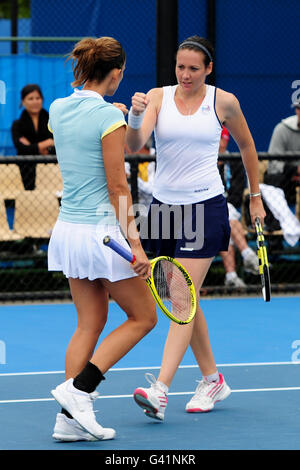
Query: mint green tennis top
79, 123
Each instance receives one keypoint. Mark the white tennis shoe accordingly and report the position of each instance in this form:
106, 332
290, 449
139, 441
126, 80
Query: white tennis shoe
80, 405
234, 281
251, 263
207, 394
68, 430
153, 400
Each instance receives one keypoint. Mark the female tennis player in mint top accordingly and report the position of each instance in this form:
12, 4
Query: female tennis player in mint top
187, 121
89, 135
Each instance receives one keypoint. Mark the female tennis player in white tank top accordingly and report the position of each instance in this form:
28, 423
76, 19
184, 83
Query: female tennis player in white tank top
187, 121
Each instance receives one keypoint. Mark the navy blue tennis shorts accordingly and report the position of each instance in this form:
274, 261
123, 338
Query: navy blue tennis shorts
199, 230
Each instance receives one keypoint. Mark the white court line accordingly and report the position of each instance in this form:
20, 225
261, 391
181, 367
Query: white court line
122, 369
278, 389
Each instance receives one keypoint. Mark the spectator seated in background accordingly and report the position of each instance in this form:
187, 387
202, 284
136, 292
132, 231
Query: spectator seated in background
285, 138
279, 215
237, 237
146, 171
280, 181
238, 240
30, 132
236, 182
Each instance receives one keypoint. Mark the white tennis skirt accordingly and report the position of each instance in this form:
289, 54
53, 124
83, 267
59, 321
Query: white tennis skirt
78, 251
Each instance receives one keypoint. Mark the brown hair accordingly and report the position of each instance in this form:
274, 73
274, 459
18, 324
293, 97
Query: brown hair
95, 58
29, 89
197, 43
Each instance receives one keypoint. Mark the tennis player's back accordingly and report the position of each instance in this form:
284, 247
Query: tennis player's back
78, 124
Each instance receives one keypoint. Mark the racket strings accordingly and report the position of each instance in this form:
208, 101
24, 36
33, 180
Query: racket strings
173, 289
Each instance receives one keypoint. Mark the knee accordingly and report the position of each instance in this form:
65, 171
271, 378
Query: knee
149, 319
92, 328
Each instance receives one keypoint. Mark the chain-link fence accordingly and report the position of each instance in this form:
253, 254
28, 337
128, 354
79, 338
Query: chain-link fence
281, 201
26, 221
28, 216
45, 38
260, 70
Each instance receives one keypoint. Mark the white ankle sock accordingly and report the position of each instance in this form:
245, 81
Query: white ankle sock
164, 387
231, 275
212, 378
246, 252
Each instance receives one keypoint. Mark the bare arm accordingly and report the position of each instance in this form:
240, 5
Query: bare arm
231, 113
44, 145
150, 104
120, 196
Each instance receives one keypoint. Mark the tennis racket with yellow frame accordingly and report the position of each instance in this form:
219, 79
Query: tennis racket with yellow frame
169, 282
263, 261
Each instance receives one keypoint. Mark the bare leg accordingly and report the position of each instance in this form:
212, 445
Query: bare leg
228, 258
239, 240
91, 301
201, 347
180, 336
134, 297
238, 235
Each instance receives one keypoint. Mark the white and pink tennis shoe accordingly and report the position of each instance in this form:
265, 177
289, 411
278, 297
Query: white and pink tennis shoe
153, 400
207, 394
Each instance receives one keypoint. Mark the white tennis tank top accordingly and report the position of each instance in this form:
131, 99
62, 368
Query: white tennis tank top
187, 151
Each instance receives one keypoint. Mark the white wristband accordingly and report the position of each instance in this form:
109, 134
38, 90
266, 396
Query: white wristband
135, 122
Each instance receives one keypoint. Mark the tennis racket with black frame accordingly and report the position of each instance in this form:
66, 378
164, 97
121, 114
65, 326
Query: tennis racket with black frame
169, 282
263, 261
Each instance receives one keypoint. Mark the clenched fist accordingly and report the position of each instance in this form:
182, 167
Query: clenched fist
139, 103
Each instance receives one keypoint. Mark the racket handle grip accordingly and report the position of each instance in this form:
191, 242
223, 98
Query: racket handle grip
108, 241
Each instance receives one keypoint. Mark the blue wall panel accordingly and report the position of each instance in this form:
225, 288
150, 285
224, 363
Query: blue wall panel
52, 74
257, 55
131, 22
24, 29
191, 18
258, 59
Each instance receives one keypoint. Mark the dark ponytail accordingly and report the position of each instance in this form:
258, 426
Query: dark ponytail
93, 59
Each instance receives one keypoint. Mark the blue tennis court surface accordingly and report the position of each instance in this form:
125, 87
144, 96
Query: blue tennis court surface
256, 347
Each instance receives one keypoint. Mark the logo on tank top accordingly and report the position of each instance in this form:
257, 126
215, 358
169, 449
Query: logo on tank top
200, 190
205, 109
